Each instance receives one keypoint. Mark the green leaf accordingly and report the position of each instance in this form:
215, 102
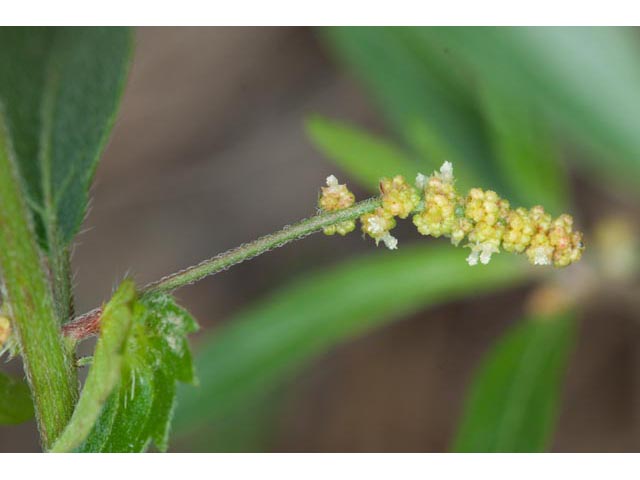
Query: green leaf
512, 403
60, 88
526, 152
105, 372
156, 356
248, 428
15, 401
362, 156
269, 342
585, 79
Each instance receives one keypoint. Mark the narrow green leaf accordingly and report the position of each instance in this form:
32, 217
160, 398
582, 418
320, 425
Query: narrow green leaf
512, 402
264, 345
105, 372
362, 156
247, 428
156, 356
585, 79
16, 405
525, 150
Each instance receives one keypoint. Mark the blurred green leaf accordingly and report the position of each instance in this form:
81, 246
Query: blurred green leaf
15, 401
269, 342
444, 109
585, 79
525, 151
362, 156
512, 403
434, 115
60, 89
248, 427
156, 356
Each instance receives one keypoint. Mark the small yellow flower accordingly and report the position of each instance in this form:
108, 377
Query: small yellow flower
540, 250
440, 202
336, 196
398, 197
540, 218
567, 244
489, 213
461, 228
518, 231
377, 225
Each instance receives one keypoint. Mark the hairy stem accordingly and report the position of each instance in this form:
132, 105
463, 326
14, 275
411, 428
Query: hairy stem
263, 244
60, 268
47, 364
89, 323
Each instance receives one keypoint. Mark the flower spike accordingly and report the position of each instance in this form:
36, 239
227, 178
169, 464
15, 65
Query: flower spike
485, 220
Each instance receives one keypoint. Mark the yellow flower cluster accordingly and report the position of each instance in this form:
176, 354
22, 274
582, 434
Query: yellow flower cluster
487, 213
336, 196
399, 198
440, 202
482, 217
378, 224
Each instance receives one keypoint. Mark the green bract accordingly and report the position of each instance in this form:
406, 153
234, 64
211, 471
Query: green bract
156, 356
129, 396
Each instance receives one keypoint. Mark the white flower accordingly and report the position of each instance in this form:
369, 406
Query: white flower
332, 181
488, 249
446, 172
482, 252
472, 259
375, 226
542, 255
390, 241
421, 181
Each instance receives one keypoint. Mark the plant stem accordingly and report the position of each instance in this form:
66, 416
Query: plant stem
89, 323
60, 268
29, 297
261, 245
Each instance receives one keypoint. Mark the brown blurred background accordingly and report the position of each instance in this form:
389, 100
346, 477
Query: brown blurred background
209, 152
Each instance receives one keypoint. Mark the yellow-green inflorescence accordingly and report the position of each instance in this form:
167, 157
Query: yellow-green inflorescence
482, 218
337, 197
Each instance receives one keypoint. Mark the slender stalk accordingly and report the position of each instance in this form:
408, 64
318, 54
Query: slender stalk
46, 361
261, 245
89, 323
